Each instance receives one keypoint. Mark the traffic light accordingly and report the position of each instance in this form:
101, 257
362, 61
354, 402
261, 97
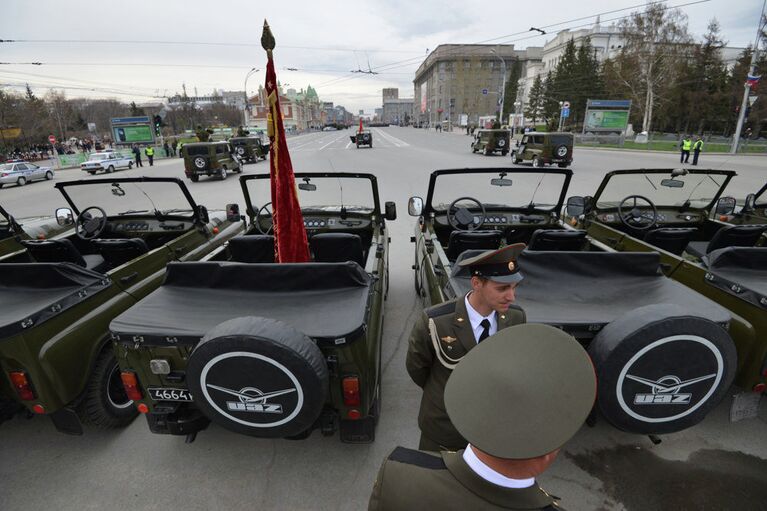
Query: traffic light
157, 124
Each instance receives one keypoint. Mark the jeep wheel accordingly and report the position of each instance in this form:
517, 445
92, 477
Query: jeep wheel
194, 178
21, 181
537, 162
110, 169
515, 160
130, 165
660, 369
222, 173
92, 172
105, 403
259, 377
487, 151
562, 165
49, 175
504, 153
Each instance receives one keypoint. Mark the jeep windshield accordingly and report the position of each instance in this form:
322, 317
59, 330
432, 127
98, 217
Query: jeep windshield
696, 189
542, 190
321, 193
140, 196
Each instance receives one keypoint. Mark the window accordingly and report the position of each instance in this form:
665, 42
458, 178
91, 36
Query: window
21, 166
466, 64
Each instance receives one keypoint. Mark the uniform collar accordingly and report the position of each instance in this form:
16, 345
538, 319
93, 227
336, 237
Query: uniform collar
490, 475
475, 318
532, 497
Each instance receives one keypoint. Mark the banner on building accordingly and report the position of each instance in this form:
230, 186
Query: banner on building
423, 99
463, 120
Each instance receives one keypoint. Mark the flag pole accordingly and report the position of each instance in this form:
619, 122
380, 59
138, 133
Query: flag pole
747, 86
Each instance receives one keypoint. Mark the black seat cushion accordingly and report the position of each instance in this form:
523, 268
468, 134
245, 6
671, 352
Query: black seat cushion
117, 252
254, 248
671, 239
729, 236
337, 247
560, 240
472, 240
62, 251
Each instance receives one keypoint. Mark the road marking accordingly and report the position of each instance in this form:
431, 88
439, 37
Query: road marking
348, 145
394, 140
332, 141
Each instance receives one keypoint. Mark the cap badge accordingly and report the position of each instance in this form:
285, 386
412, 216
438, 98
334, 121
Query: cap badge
512, 266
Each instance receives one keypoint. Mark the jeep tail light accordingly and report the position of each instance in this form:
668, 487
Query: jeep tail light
22, 386
130, 383
351, 386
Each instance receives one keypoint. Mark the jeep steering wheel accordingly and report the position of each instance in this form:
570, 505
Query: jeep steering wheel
636, 218
264, 210
463, 219
87, 226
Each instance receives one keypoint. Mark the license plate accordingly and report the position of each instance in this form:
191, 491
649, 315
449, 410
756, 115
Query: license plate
170, 394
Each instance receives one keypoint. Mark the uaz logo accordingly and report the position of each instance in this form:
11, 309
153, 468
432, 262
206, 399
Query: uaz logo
252, 399
665, 391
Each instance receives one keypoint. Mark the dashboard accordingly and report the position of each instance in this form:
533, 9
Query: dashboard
663, 217
502, 219
138, 226
335, 223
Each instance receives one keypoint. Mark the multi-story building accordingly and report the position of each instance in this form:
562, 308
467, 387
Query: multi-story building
397, 111
390, 93
459, 80
259, 109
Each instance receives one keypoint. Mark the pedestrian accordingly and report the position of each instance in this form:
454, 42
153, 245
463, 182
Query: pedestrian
166, 148
446, 332
686, 145
507, 399
149, 151
173, 145
697, 147
137, 154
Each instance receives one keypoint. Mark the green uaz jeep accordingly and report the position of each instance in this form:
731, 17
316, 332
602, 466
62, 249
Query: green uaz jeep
56, 358
265, 349
491, 141
544, 149
212, 159
13, 230
249, 149
364, 137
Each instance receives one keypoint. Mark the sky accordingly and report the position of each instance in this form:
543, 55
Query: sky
144, 49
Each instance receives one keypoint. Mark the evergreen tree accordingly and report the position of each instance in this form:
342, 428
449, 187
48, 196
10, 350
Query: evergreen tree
535, 100
510, 94
550, 101
589, 80
136, 111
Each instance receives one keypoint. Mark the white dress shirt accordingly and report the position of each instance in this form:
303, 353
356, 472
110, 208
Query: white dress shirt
475, 318
490, 475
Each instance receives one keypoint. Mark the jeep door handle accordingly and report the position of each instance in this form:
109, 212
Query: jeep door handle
128, 278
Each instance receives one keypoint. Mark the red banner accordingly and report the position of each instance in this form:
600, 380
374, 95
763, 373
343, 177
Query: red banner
290, 245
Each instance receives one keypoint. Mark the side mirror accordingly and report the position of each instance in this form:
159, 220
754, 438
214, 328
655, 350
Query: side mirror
391, 211
202, 213
750, 204
233, 212
64, 216
725, 206
576, 206
415, 206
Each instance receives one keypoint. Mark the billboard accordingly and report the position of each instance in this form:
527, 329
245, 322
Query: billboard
423, 98
132, 134
614, 120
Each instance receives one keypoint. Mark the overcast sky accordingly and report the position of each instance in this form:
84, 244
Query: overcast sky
324, 40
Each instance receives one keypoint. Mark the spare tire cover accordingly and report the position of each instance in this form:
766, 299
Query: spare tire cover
240, 150
259, 377
661, 369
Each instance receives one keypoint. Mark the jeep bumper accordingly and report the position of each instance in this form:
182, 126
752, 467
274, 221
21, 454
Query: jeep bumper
176, 421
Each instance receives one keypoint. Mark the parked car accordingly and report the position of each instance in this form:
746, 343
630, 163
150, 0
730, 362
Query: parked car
544, 149
209, 159
56, 352
663, 353
106, 161
265, 349
22, 172
491, 141
364, 137
668, 211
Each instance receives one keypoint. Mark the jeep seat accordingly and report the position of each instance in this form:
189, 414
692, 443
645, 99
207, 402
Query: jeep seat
62, 251
729, 236
558, 240
337, 247
117, 252
472, 240
671, 239
254, 248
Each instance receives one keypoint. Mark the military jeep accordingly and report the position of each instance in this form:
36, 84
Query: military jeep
13, 230
59, 295
364, 137
212, 159
249, 149
544, 149
752, 210
266, 349
663, 353
491, 141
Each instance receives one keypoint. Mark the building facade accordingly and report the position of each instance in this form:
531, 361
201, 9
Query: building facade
458, 82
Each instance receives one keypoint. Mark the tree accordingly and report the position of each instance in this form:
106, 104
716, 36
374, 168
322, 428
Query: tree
588, 73
649, 58
535, 100
510, 93
565, 82
136, 111
550, 101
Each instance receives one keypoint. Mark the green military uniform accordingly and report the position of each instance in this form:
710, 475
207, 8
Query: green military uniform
508, 399
441, 337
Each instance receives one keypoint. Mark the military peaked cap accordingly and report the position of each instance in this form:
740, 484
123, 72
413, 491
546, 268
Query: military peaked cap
497, 265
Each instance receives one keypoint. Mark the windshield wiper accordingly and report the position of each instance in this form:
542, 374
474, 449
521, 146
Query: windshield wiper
649, 181
134, 211
176, 210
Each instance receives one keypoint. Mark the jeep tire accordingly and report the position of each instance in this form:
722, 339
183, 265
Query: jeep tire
222, 173
194, 178
661, 369
105, 403
244, 358
537, 162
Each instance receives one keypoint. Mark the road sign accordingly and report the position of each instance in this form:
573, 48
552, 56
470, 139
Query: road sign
52, 139
566, 104
484, 92
565, 112
752, 99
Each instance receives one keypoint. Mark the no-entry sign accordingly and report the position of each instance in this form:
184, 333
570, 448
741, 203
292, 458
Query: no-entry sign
52, 139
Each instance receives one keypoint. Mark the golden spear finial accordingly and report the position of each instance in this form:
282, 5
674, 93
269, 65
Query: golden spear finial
267, 39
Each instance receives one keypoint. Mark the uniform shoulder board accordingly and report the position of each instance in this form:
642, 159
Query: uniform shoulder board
417, 458
441, 309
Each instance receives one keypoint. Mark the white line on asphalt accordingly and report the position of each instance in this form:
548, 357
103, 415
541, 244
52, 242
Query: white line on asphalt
348, 145
332, 141
397, 142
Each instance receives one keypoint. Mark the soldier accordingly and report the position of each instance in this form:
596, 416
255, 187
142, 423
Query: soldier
508, 399
446, 332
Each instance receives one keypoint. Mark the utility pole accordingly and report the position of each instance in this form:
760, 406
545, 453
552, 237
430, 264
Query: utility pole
747, 86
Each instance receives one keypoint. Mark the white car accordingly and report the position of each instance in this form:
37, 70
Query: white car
108, 161
21, 173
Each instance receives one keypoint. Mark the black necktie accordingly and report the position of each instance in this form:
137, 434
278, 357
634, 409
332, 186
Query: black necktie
485, 330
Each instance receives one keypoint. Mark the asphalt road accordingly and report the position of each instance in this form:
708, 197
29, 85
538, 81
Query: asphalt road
714, 465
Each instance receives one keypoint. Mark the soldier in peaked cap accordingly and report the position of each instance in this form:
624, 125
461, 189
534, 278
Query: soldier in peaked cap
445, 333
507, 399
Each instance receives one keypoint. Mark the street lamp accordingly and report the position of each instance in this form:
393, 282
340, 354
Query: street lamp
245, 92
503, 84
